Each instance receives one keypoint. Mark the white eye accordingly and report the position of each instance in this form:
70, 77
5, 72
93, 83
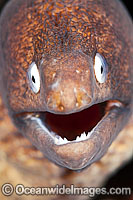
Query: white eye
101, 68
34, 77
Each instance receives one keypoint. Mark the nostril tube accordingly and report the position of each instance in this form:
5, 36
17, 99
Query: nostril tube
82, 97
68, 97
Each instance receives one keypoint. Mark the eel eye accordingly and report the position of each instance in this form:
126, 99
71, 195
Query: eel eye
100, 68
34, 77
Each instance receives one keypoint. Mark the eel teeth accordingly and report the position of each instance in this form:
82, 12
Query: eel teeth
60, 141
57, 139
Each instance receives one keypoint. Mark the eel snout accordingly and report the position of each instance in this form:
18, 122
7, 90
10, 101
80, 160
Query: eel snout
68, 83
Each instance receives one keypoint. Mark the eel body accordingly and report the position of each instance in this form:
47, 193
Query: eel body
66, 75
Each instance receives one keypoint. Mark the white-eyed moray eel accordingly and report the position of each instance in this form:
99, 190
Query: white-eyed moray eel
66, 75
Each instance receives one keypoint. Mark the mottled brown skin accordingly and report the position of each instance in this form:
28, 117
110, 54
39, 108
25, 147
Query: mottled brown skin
62, 37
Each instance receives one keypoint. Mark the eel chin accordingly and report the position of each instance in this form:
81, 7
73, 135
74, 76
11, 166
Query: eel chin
75, 140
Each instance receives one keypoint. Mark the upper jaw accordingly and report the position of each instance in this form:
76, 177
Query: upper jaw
84, 150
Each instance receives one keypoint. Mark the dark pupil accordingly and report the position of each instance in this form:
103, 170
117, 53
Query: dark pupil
101, 69
33, 79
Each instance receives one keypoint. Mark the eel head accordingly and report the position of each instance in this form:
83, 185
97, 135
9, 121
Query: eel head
67, 75
76, 116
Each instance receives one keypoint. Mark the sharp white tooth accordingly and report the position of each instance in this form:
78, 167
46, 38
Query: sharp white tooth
65, 140
78, 138
81, 137
84, 135
61, 140
89, 134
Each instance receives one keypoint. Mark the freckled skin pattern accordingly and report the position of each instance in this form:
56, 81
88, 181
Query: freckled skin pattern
61, 30
62, 37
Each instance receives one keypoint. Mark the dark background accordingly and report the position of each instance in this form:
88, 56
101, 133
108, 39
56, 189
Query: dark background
124, 177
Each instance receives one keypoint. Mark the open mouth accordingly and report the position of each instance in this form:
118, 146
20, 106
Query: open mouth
78, 139
74, 127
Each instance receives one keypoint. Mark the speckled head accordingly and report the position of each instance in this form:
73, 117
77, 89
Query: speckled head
66, 72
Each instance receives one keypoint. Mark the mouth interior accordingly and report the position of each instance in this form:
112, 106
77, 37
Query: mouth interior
72, 125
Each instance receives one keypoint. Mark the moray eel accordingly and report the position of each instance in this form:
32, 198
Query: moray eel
67, 76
